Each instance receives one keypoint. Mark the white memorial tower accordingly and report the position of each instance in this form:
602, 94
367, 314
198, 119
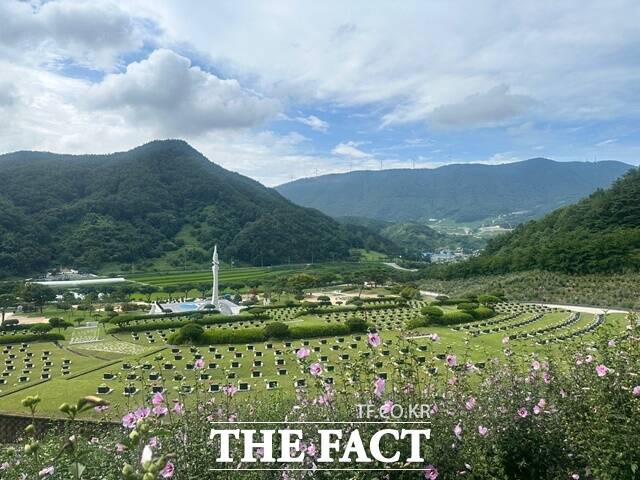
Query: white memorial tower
215, 265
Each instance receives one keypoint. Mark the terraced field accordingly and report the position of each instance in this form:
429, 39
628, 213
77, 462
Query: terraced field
125, 367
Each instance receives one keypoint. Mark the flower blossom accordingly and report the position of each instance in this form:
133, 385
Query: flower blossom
315, 369
46, 472
452, 360
430, 473
374, 340
482, 431
602, 370
523, 412
168, 470
379, 385
303, 353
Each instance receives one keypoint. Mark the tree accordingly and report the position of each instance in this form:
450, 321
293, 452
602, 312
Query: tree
147, 291
192, 332
6, 300
40, 328
38, 294
277, 330
59, 323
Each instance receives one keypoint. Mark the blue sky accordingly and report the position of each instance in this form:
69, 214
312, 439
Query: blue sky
283, 90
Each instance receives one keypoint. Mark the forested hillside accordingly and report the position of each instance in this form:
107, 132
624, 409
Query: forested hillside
598, 234
163, 198
461, 192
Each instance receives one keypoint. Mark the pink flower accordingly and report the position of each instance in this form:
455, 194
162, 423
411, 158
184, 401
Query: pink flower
505, 340
303, 353
178, 408
611, 343
523, 412
546, 377
168, 470
430, 473
315, 369
379, 386
120, 448
536, 410
575, 476
470, 403
46, 472
542, 403
589, 359
129, 420
160, 410
142, 412
482, 431
199, 364
636, 391
434, 337
535, 365
230, 390
154, 442
601, 370
157, 399
452, 360
457, 431
374, 340
311, 450
387, 407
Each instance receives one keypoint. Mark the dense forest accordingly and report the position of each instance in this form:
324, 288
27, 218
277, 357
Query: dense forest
461, 192
598, 234
163, 198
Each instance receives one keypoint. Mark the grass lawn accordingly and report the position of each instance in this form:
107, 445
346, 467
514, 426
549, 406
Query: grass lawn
143, 360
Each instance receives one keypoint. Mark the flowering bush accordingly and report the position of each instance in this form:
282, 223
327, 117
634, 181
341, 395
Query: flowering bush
573, 415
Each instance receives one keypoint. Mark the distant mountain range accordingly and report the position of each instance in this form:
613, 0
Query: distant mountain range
600, 233
163, 200
461, 192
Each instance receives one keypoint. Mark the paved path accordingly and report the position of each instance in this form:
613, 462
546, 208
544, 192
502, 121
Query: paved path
579, 308
398, 267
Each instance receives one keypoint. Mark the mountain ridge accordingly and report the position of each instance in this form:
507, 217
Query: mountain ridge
463, 192
161, 199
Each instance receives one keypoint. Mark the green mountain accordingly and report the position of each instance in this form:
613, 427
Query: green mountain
413, 238
161, 200
598, 234
462, 192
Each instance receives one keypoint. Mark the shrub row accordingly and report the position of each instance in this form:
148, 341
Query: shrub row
125, 318
359, 308
168, 324
33, 337
193, 333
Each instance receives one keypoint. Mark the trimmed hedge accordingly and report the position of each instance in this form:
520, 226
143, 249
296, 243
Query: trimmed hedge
481, 313
124, 318
166, 325
224, 335
312, 331
26, 338
432, 311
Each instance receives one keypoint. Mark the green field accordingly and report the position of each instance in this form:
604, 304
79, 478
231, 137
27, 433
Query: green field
143, 361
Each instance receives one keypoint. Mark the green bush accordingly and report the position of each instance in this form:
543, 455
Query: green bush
219, 336
467, 306
192, 332
482, 313
432, 311
40, 328
488, 299
312, 331
278, 330
455, 317
419, 322
357, 325
35, 337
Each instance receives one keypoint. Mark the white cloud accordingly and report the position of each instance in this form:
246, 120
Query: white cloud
314, 122
350, 149
169, 94
606, 142
88, 32
482, 109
